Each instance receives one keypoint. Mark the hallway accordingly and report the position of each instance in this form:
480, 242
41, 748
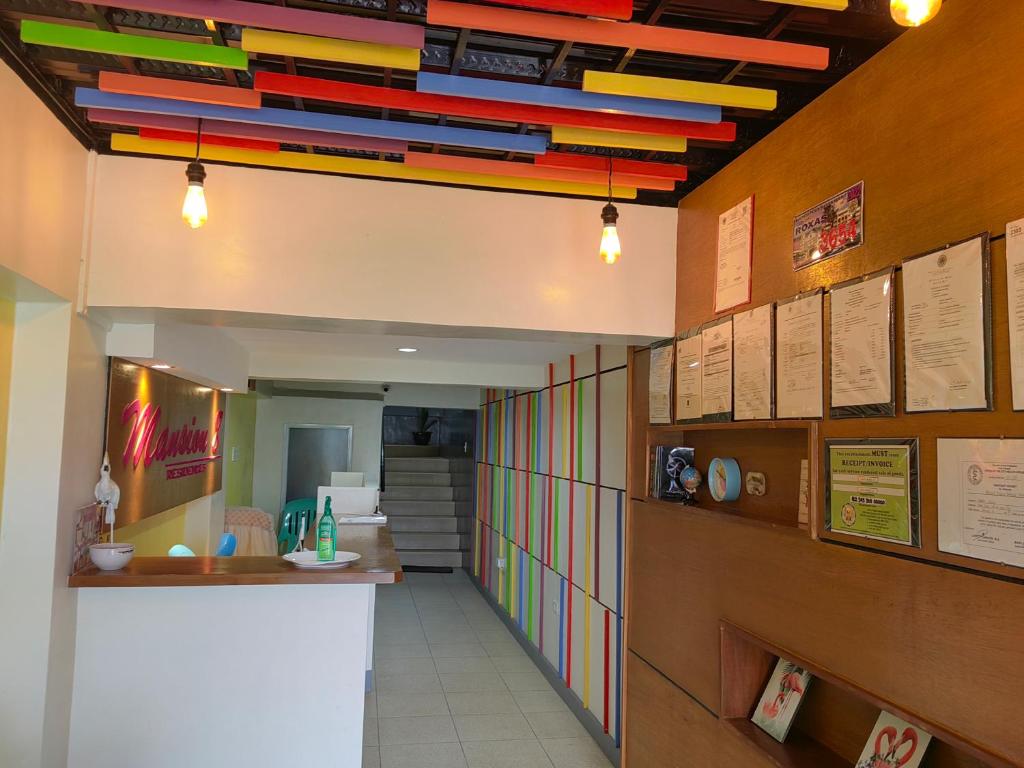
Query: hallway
454, 689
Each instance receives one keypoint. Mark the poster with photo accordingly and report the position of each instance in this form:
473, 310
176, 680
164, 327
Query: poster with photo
829, 228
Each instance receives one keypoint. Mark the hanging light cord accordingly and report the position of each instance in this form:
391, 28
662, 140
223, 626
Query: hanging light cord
199, 137
609, 179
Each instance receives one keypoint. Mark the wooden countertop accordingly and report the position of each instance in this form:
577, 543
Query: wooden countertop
379, 565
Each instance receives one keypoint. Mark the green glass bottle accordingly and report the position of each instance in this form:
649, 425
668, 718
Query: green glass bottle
326, 535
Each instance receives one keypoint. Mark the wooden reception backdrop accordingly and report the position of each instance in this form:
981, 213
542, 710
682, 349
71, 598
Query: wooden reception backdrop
933, 125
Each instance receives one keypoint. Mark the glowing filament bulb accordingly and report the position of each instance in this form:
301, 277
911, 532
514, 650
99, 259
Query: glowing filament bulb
611, 249
914, 13
193, 210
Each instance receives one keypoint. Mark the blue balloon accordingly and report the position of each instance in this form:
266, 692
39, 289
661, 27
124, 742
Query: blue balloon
180, 550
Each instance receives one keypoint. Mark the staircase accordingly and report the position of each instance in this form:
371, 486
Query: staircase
428, 501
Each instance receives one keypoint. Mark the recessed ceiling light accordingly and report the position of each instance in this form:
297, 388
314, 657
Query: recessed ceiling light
226, 389
161, 366
408, 349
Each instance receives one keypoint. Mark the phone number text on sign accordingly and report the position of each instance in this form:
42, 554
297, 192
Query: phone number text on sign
829, 228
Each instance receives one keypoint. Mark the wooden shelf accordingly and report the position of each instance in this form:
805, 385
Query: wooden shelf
775, 448
798, 751
836, 713
732, 425
719, 513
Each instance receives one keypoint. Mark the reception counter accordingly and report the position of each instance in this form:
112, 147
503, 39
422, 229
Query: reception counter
243, 661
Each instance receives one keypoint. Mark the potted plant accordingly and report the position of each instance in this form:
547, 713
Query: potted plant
423, 434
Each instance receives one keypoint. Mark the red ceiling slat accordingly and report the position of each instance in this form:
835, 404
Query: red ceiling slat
209, 138
391, 98
599, 163
605, 9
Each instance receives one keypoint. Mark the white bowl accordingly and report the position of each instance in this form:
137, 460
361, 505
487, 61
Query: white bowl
111, 557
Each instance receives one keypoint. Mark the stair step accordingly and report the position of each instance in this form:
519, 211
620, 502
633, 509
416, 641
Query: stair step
434, 508
435, 559
418, 493
409, 451
392, 479
418, 464
431, 541
424, 524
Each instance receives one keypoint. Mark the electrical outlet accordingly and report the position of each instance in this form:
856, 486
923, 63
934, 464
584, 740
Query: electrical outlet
501, 563
235, 453
555, 607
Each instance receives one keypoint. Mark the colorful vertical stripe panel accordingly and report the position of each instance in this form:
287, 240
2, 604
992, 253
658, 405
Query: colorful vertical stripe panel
558, 534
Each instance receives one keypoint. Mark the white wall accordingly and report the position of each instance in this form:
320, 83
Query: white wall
42, 197
288, 243
274, 414
54, 445
433, 396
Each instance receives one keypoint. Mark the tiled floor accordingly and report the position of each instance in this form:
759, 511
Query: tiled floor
455, 690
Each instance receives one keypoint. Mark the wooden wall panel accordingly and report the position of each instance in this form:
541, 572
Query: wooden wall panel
932, 125
943, 644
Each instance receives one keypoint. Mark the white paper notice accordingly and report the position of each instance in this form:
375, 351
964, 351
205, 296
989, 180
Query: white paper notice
659, 385
752, 366
944, 329
981, 499
1015, 302
798, 359
735, 251
716, 369
861, 330
688, 402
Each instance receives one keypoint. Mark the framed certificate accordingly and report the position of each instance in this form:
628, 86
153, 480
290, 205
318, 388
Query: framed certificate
947, 328
798, 357
716, 370
754, 363
862, 364
872, 489
659, 382
735, 256
1015, 307
981, 499
688, 375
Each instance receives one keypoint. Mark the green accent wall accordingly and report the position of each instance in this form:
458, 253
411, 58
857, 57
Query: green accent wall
241, 446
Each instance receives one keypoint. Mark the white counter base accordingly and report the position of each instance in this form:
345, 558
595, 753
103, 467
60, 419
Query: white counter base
226, 676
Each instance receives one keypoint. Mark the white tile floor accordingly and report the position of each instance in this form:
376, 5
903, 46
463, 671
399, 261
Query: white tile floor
453, 688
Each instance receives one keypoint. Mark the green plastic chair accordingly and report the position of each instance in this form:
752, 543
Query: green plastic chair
293, 515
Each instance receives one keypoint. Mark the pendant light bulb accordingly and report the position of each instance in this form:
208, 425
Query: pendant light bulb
914, 13
193, 210
610, 246
611, 249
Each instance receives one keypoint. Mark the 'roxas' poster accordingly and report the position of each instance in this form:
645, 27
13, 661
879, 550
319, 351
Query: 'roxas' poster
871, 490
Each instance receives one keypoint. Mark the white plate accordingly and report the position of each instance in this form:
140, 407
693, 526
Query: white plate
308, 560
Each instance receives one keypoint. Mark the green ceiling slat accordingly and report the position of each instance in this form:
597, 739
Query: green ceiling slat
135, 46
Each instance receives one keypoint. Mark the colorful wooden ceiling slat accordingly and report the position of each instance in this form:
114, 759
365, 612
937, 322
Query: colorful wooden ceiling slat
528, 171
619, 165
134, 46
691, 91
165, 88
304, 161
212, 139
568, 98
594, 138
292, 118
828, 5
619, 34
249, 131
329, 49
269, 16
412, 101
604, 9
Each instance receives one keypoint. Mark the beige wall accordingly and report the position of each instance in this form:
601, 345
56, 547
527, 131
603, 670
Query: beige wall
327, 246
42, 198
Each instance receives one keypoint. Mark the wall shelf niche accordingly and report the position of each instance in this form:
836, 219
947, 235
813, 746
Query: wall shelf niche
775, 448
836, 717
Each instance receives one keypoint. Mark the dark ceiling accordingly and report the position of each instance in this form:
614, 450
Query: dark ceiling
853, 36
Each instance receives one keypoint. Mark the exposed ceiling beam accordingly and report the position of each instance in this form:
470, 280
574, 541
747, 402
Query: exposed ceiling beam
458, 54
650, 15
98, 14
